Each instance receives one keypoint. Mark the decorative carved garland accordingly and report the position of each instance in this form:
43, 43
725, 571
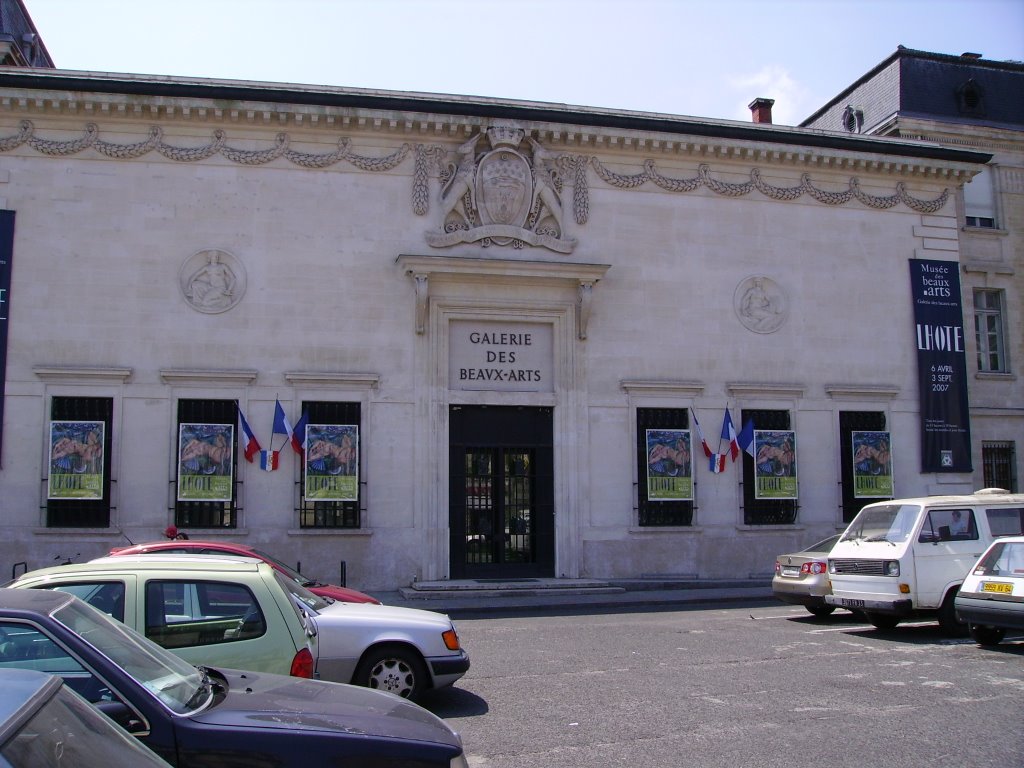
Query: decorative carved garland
573, 166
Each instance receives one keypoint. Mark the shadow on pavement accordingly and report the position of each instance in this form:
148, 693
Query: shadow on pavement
454, 702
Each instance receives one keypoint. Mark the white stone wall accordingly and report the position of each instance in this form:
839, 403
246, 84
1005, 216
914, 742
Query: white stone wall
97, 310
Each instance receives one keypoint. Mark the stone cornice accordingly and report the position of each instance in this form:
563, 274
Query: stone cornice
422, 268
206, 376
334, 380
162, 102
662, 387
79, 374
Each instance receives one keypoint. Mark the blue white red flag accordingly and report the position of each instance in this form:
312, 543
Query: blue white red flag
729, 433
717, 462
250, 445
746, 437
299, 434
281, 425
269, 460
700, 433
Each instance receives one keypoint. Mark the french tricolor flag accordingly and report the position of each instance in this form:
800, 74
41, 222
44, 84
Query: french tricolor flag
269, 460
298, 438
729, 433
250, 445
700, 433
717, 462
281, 425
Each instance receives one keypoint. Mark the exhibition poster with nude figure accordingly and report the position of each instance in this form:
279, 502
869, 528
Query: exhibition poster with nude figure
669, 474
332, 462
76, 459
775, 464
872, 465
206, 468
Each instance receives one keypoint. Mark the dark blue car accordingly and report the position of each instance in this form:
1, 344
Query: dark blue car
215, 717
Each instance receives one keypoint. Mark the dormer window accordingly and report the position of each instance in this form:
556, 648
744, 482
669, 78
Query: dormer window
853, 119
970, 98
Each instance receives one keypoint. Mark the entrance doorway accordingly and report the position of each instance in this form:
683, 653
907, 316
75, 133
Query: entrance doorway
501, 492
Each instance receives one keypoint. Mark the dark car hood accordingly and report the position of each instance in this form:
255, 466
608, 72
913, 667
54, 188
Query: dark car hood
259, 700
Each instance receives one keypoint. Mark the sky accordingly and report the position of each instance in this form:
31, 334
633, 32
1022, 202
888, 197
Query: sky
700, 58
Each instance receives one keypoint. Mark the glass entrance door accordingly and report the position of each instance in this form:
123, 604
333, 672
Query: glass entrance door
501, 495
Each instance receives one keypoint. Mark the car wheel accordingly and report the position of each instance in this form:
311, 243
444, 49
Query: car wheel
948, 620
821, 611
984, 635
392, 668
882, 620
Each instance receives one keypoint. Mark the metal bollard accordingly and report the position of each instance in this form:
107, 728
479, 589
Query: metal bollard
341, 581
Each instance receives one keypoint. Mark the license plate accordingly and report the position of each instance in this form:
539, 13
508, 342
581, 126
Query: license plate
852, 603
790, 571
995, 586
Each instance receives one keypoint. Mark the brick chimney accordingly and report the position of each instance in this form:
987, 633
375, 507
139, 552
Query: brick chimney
761, 110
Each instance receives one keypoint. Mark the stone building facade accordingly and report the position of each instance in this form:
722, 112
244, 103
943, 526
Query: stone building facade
500, 321
972, 102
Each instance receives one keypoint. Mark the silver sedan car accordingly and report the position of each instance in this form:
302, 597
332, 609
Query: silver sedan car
404, 651
801, 578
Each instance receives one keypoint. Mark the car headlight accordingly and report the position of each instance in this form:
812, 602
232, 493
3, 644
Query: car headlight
892, 567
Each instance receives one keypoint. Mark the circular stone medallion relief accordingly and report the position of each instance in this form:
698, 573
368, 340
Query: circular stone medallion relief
212, 281
761, 304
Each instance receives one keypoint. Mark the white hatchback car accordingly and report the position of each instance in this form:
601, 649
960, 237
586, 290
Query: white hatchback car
991, 599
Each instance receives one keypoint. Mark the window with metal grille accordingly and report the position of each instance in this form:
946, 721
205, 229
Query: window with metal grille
764, 511
1000, 464
988, 330
83, 513
331, 514
657, 512
850, 422
208, 514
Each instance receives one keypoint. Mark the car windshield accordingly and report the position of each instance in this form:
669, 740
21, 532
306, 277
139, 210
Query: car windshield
1005, 558
70, 730
825, 545
883, 522
292, 573
180, 686
303, 596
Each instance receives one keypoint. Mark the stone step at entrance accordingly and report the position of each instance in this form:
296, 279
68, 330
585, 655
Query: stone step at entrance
427, 590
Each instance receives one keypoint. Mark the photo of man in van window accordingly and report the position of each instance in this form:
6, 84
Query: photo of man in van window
958, 525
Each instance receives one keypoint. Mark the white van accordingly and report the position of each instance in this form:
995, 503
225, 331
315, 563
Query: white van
907, 557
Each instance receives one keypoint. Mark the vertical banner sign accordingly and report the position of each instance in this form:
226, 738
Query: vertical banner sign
76, 460
6, 256
332, 462
669, 475
775, 464
206, 469
872, 465
941, 366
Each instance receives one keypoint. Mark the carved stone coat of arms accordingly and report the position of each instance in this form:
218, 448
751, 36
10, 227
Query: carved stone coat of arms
501, 195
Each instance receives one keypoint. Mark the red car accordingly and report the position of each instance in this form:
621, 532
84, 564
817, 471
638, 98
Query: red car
193, 547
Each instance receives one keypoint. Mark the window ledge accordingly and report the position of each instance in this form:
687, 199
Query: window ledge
994, 231
329, 532
771, 527
995, 376
641, 529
